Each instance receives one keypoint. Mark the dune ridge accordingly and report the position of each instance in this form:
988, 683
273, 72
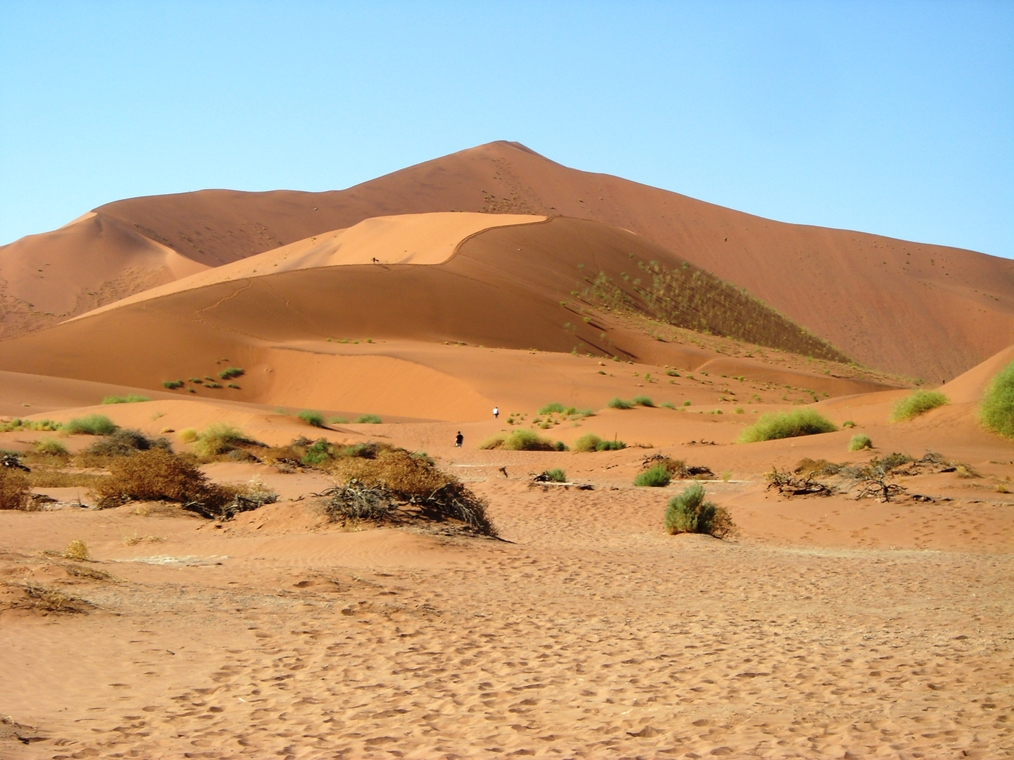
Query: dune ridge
947, 309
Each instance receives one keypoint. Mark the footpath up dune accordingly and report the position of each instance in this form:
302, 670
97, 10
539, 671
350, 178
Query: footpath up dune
947, 309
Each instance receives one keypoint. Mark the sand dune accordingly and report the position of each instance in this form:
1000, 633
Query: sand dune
947, 309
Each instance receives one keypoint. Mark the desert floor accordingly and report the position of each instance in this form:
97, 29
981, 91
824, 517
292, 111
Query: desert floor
827, 628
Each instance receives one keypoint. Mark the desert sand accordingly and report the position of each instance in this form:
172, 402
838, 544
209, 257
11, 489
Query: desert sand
824, 627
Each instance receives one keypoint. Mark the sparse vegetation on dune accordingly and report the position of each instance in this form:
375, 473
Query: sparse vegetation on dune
642, 401
369, 419
50, 447
618, 403
216, 439
132, 398
996, 410
918, 403
231, 372
172, 384
518, 440
688, 512
19, 424
787, 425
554, 475
93, 424
121, 443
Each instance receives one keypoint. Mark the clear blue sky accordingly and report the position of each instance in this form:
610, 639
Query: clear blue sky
889, 117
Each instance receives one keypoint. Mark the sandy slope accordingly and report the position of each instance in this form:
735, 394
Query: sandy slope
906, 307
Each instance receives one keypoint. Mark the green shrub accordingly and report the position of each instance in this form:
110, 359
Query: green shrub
554, 408
688, 512
188, 435
319, 452
654, 477
19, 424
337, 421
93, 424
131, 399
860, 442
233, 386
231, 372
368, 419
518, 440
918, 403
667, 405
642, 401
217, 439
787, 425
172, 384
996, 410
591, 442
618, 403
314, 419
556, 475
50, 447
848, 424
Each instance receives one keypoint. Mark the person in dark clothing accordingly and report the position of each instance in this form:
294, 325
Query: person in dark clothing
459, 439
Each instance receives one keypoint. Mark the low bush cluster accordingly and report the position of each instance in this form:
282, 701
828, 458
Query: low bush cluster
787, 425
314, 419
369, 419
231, 372
14, 489
132, 398
656, 476
918, 403
93, 424
859, 442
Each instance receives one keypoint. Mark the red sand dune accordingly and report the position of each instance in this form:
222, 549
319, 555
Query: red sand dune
911, 308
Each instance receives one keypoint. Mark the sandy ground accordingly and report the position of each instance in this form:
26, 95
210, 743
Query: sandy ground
586, 632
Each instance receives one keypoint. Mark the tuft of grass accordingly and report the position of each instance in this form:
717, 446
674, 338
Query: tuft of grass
688, 512
787, 425
591, 442
860, 442
848, 424
338, 421
188, 435
642, 400
19, 424
918, 403
76, 550
554, 408
654, 477
556, 475
172, 384
369, 419
231, 372
50, 447
619, 403
93, 424
518, 440
667, 405
132, 398
314, 419
996, 410
218, 439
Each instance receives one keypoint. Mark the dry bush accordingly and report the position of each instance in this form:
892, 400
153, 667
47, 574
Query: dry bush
121, 443
156, 475
372, 488
14, 490
76, 550
519, 440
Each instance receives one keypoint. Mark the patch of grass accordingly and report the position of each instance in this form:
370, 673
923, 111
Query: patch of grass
688, 512
172, 384
787, 425
654, 477
369, 419
188, 435
93, 424
848, 424
555, 475
337, 421
76, 550
19, 424
554, 408
122, 443
996, 410
218, 439
14, 489
133, 398
642, 400
318, 453
518, 440
591, 442
619, 403
50, 447
312, 418
667, 405
860, 442
231, 372
918, 403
